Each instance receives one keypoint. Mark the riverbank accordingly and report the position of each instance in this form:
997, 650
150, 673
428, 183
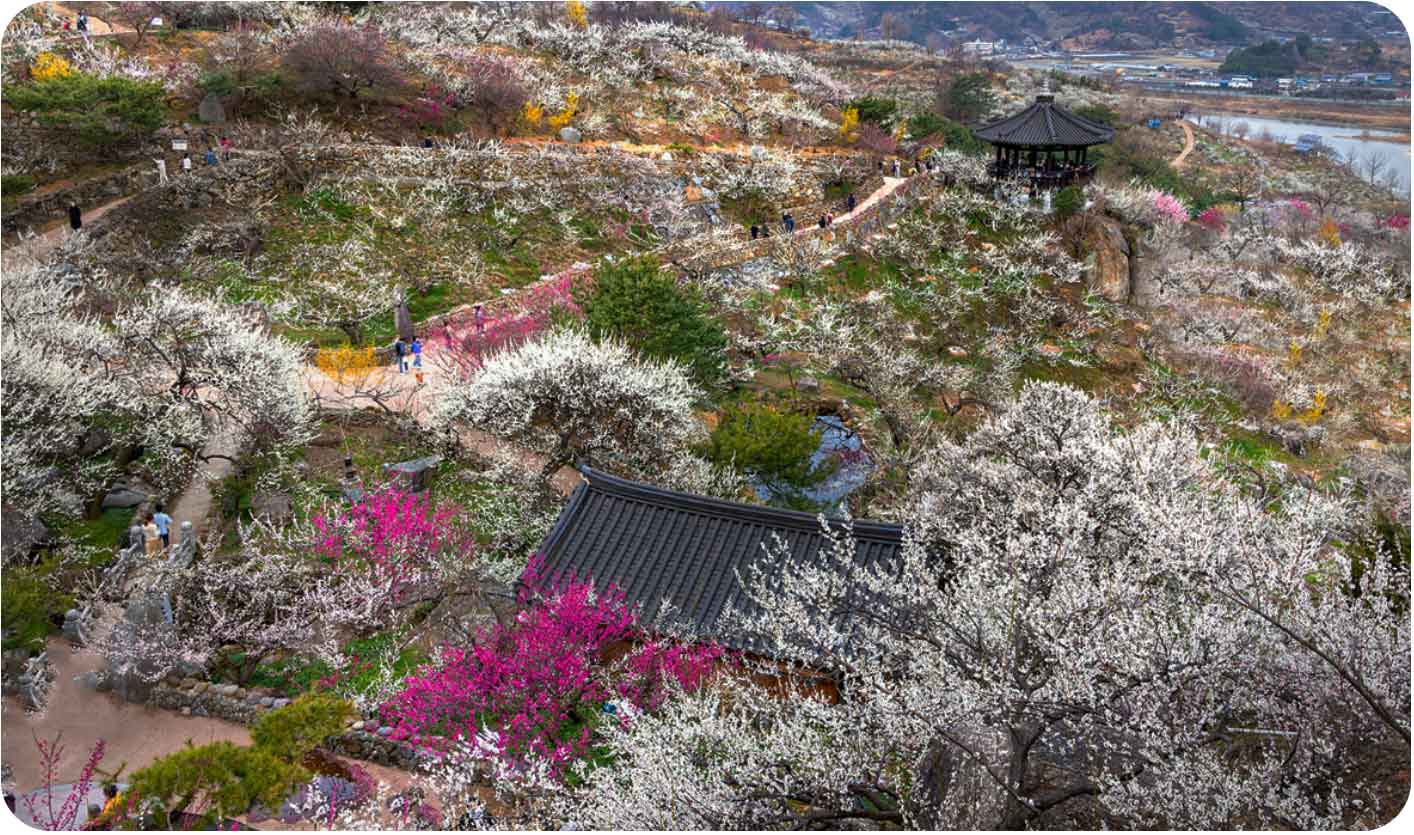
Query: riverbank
1368, 115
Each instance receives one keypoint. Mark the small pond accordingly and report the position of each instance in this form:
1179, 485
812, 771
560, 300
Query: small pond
843, 445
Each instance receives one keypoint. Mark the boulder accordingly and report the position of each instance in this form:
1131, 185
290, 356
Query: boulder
570, 135
415, 475
20, 533
1107, 262
211, 110
272, 505
123, 497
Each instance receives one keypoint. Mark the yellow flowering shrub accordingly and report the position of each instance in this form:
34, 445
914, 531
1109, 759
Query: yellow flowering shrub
532, 114
1318, 406
849, 120
563, 118
1330, 232
1281, 410
1293, 353
347, 364
575, 12
1323, 324
47, 65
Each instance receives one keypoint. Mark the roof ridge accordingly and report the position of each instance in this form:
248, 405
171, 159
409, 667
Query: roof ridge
600, 481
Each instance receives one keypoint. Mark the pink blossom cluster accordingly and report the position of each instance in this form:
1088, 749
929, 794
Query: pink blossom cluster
539, 683
431, 109
40, 804
1168, 207
1396, 221
1212, 219
389, 532
1300, 208
468, 344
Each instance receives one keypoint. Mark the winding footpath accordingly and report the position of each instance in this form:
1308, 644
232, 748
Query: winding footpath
136, 734
1188, 141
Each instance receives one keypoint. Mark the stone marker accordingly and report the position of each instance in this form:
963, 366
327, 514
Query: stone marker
570, 135
211, 110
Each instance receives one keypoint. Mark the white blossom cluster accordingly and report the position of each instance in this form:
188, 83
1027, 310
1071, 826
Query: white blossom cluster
161, 373
573, 399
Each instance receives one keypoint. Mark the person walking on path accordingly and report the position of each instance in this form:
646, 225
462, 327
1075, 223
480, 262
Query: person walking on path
164, 525
210, 156
75, 217
186, 163
151, 537
849, 202
896, 169
225, 144
822, 221
400, 350
765, 230
416, 352
478, 317
790, 223
755, 231
829, 218
161, 171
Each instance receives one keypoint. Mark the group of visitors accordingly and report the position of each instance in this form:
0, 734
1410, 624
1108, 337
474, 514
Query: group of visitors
156, 531
80, 24
402, 350
221, 151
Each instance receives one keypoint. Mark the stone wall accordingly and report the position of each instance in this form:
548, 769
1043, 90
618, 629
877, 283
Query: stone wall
365, 738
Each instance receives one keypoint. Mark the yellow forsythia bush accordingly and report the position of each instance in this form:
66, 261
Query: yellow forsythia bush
47, 65
849, 120
348, 364
563, 118
532, 114
575, 12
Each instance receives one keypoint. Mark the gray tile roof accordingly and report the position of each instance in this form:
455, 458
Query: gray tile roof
662, 547
1045, 123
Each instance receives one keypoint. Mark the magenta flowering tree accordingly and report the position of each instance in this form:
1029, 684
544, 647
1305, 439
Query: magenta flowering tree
465, 343
430, 110
535, 690
1212, 219
393, 535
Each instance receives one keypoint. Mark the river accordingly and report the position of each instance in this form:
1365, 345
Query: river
1344, 139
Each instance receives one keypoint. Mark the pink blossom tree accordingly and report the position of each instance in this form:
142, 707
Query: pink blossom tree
533, 691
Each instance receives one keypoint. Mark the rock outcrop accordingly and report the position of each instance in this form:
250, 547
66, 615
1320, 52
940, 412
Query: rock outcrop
1107, 261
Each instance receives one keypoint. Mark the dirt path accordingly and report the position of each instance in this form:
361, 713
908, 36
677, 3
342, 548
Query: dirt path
195, 503
45, 242
386, 388
1182, 157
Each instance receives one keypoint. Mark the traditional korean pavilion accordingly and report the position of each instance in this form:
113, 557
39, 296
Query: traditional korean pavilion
1045, 144
661, 548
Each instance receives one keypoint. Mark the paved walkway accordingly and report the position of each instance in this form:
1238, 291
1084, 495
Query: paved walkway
1182, 157
135, 734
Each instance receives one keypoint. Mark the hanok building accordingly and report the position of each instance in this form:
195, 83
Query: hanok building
1044, 144
685, 556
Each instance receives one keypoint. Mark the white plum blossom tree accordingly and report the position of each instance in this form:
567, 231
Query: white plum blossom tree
571, 398
1085, 628
83, 392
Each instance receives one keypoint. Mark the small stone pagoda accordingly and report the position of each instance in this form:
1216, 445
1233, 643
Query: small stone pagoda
1044, 144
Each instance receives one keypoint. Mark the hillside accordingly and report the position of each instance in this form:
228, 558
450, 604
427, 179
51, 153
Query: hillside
636, 416
1090, 25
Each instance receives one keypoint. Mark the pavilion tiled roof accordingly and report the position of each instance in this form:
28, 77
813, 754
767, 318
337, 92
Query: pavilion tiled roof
662, 548
1045, 123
